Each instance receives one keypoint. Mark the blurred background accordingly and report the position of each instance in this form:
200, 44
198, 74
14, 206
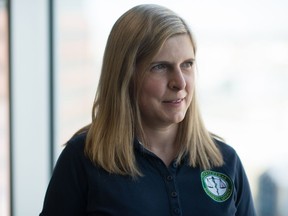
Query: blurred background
50, 59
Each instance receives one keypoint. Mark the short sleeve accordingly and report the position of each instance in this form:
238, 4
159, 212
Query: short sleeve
66, 192
242, 196
244, 201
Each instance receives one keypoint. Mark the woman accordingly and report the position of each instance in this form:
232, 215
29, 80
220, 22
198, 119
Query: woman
147, 151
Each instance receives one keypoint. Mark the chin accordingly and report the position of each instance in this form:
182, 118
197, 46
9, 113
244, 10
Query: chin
178, 119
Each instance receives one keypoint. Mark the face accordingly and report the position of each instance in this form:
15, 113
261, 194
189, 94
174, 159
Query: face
168, 85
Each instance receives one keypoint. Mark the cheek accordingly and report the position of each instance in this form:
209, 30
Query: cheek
190, 88
190, 82
150, 94
152, 88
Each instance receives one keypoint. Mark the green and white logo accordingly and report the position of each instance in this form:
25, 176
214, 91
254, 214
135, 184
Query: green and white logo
217, 185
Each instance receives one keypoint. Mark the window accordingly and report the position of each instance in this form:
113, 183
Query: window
75, 75
242, 74
242, 78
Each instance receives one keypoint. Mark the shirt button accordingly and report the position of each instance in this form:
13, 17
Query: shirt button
174, 194
169, 178
177, 211
175, 165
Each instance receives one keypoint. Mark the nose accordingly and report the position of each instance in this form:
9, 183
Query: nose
177, 80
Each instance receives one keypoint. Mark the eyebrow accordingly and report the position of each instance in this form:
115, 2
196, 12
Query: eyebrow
170, 63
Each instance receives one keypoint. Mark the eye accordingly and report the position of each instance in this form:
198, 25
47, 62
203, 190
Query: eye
158, 67
187, 65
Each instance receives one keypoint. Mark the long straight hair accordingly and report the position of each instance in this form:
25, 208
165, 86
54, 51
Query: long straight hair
136, 37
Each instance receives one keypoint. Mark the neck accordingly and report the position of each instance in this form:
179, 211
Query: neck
161, 141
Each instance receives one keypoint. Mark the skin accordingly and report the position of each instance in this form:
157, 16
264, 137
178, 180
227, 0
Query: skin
166, 94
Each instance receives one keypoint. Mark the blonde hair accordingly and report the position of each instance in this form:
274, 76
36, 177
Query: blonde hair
136, 37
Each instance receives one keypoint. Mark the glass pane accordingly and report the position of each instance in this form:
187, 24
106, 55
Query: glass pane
75, 74
4, 113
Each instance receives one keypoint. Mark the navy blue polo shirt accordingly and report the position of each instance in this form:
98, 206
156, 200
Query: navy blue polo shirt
78, 187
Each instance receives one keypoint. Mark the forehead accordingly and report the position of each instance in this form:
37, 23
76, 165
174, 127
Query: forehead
176, 47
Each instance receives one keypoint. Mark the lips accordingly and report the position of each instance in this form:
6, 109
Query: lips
176, 101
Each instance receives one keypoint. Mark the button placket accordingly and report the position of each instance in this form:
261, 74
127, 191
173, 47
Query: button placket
177, 211
174, 194
169, 177
172, 191
174, 165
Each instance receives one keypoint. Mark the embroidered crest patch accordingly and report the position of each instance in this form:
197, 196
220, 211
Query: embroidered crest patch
217, 185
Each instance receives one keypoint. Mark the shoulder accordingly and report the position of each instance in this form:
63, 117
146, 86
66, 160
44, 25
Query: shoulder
68, 184
232, 162
73, 151
77, 139
234, 169
227, 151
76, 143
232, 166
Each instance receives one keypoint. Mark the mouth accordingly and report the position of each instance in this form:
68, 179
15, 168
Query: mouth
177, 101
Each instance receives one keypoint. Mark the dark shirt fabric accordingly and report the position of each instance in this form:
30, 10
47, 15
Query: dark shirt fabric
77, 187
